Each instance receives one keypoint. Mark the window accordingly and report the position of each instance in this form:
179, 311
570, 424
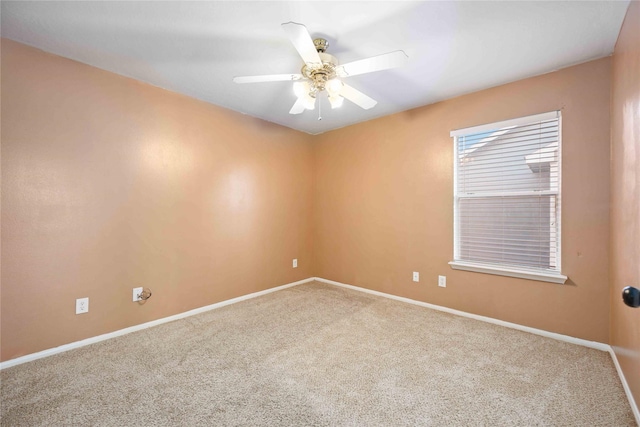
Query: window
507, 198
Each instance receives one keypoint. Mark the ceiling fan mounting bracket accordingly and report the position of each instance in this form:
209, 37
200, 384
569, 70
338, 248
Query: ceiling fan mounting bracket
321, 44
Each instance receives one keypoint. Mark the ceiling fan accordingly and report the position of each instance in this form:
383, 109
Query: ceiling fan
322, 72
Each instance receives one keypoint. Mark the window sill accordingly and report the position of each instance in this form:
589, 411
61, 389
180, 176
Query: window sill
511, 272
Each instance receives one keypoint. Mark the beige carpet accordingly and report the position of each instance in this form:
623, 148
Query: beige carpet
318, 355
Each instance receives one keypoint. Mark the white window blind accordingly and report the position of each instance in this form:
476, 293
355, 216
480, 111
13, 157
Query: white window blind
507, 197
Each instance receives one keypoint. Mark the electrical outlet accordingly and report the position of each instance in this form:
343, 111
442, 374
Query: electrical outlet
136, 294
442, 281
416, 276
295, 263
82, 305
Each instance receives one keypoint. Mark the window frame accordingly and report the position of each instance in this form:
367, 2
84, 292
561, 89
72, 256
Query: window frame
504, 269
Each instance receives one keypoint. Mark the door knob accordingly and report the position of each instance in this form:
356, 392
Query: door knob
631, 296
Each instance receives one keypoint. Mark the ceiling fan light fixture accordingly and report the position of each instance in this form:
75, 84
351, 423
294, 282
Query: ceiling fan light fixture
300, 89
336, 101
309, 101
334, 86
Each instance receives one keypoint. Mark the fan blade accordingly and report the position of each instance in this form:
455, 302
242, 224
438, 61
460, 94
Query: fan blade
376, 63
298, 107
303, 42
357, 97
267, 78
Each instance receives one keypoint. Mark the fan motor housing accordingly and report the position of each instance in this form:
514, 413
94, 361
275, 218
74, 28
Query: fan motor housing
319, 75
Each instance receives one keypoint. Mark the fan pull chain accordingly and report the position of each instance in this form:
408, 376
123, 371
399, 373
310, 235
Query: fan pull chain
319, 109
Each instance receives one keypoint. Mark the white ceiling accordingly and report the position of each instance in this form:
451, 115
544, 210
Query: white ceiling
196, 48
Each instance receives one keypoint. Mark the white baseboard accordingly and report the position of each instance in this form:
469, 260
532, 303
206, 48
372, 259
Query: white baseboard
625, 386
560, 337
92, 340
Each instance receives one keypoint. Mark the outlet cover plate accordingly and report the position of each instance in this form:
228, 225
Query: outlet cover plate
136, 294
442, 281
416, 276
295, 263
82, 305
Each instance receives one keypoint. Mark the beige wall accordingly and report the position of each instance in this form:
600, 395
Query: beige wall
383, 204
109, 184
625, 196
